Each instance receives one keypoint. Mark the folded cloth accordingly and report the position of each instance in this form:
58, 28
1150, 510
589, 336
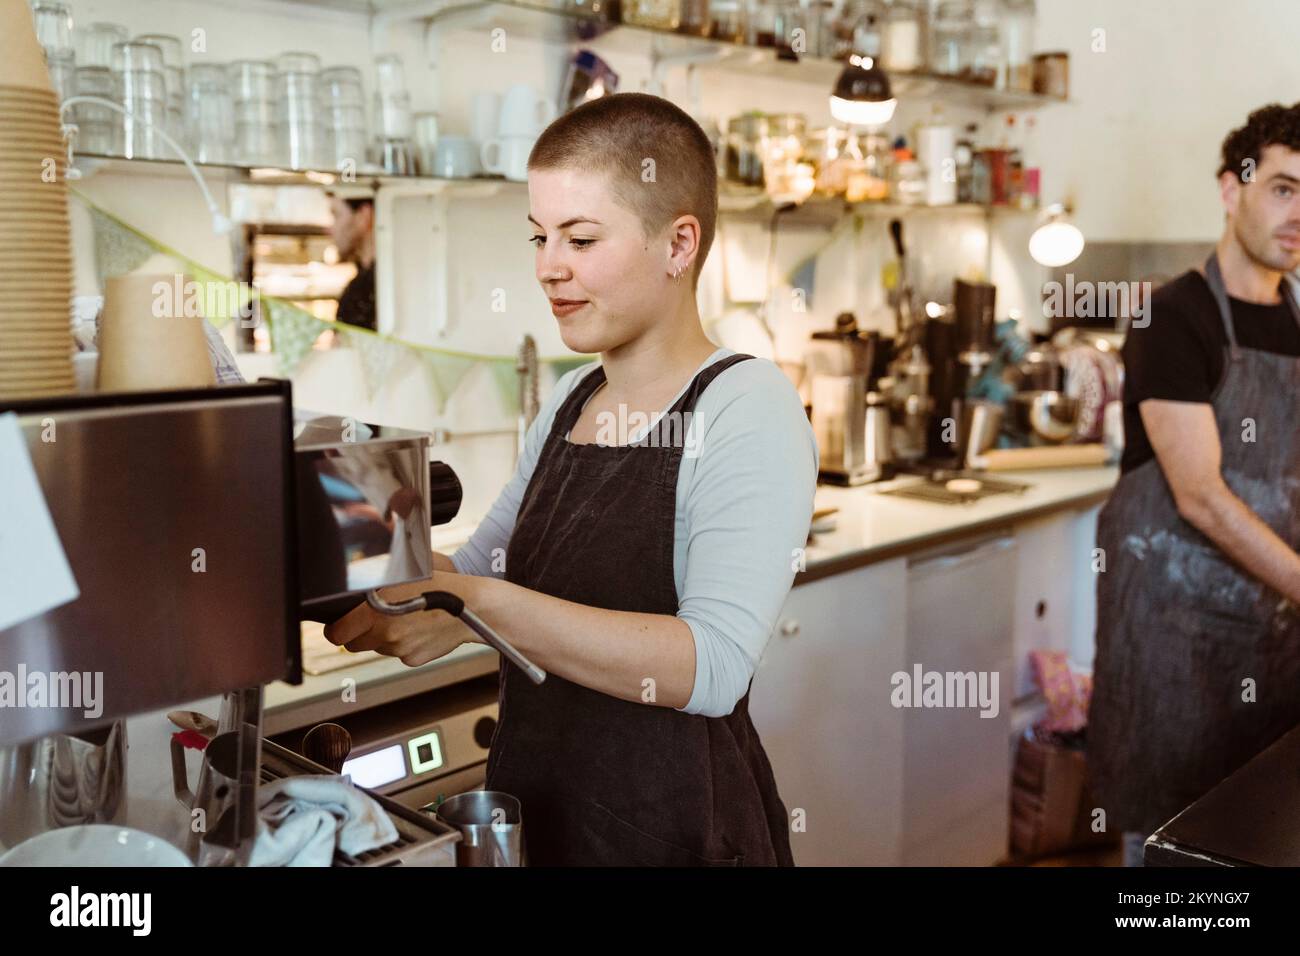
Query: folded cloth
302, 819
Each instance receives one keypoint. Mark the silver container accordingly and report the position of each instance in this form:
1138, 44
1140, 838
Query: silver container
62, 780
491, 827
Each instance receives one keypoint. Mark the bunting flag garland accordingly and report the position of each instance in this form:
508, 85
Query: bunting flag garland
121, 248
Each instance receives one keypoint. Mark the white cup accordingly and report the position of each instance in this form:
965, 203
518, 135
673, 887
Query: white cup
524, 112
484, 109
508, 156
456, 157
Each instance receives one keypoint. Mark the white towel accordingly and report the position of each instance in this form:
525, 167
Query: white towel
302, 819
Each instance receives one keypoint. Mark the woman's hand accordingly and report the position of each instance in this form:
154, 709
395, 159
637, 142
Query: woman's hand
415, 638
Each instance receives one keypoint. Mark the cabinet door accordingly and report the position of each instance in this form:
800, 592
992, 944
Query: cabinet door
1045, 593
956, 771
820, 702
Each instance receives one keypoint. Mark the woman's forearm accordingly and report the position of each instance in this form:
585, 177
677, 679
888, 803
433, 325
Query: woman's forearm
646, 658
443, 562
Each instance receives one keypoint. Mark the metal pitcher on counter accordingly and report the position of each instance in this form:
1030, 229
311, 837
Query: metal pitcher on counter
62, 780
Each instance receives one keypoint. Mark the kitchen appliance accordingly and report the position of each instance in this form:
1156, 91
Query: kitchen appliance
421, 749
839, 363
1045, 417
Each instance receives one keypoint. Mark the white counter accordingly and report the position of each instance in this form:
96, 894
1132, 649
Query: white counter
870, 526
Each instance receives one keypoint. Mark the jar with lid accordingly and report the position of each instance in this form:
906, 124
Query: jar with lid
950, 37
903, 36
746, 138
856, 29
1018, 44
872, 161
827, 151
907, 179
695, 18
728, 20
787, 177
986, 57
774, 22
659, 14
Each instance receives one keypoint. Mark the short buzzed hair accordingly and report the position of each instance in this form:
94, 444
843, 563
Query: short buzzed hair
616, 135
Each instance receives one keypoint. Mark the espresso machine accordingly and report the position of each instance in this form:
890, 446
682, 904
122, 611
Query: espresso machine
201, 527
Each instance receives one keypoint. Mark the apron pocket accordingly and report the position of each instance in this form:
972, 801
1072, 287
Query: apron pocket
630, 846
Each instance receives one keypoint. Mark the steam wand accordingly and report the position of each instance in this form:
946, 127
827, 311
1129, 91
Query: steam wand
453, 605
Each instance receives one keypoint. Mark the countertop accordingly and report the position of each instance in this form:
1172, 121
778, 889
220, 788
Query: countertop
869, 527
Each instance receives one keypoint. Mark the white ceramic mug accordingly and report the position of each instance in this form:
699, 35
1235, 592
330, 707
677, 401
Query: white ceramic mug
484, 109
456, 157
508, 156
524, 112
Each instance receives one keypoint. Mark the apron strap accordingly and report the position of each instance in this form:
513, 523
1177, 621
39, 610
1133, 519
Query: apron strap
1214, 276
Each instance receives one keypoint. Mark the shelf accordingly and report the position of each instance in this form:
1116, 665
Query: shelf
91, 163
739, 203
548, 21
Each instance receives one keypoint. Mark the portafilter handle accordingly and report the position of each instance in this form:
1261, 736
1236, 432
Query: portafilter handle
453, 605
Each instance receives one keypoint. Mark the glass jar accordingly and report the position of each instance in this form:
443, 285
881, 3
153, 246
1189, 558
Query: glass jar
903, 36
695, 18
857, 29
727, 20
658, 14
1018, 44
786, 176
827, 150
907, 178
950, 37
746, 135
986, 62
871, 162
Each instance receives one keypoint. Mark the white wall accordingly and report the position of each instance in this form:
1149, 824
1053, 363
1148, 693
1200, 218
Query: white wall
1135, 150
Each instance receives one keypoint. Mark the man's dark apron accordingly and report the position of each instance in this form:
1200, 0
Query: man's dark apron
1180, 628
605, 781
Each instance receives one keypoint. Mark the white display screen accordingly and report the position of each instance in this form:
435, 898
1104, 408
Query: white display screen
377, 768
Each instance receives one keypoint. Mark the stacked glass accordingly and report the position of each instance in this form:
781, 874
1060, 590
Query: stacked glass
251, 84
174, 69
300, 131
345, 117
140, 85
209, 114
99, 128
394, 148
54, 31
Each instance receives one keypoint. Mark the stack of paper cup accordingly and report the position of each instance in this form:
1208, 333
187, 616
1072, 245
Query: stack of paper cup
35, 251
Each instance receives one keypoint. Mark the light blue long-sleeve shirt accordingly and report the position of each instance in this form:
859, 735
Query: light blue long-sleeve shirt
744, 503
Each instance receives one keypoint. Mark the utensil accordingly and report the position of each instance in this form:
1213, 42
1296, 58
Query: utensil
453, 605
1063, 456
491, 827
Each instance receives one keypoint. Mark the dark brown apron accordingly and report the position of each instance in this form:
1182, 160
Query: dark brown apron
1179, 626
605, 781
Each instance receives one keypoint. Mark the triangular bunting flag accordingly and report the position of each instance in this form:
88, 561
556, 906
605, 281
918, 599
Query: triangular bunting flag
447, 371
293, 333
377, 358
118, 250
507, 380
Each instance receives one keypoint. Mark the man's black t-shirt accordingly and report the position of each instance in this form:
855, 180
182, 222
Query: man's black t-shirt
1179, 357
357, 303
